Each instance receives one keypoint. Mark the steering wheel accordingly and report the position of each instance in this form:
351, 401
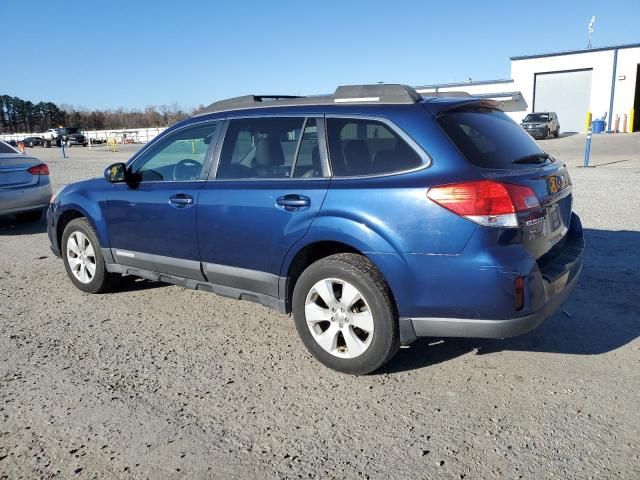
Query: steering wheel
186, 169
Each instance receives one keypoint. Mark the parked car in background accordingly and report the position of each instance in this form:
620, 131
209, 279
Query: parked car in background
374, 215
542, 124
68, 135
33, 142
25, 189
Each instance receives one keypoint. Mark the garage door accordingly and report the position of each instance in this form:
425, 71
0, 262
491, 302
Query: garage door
566, 93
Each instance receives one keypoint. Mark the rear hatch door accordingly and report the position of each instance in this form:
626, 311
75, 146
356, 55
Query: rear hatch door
501, 150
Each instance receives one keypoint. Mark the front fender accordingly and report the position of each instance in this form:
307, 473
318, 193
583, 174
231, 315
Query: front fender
91, 205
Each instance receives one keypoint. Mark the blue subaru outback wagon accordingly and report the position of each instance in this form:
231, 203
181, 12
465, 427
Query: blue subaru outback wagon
373, 215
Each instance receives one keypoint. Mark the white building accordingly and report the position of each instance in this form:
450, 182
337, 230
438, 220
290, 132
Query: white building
572, 83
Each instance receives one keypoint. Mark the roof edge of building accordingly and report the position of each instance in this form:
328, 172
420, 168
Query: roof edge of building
463, 84
576, 52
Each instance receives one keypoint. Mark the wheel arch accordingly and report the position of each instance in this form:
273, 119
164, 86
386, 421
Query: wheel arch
71, 212
312, 251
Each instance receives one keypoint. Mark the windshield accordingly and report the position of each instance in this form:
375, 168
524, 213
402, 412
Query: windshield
489, 138
537, 117
70, 130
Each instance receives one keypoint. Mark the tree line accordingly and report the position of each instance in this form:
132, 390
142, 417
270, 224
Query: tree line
22, 116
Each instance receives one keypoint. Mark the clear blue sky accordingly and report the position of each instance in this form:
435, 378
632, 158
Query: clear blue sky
106, 54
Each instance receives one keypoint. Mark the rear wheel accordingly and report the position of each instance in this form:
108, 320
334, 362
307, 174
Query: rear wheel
344, 314
556, 133
83, 258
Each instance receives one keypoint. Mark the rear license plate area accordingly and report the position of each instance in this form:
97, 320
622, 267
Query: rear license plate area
554, 217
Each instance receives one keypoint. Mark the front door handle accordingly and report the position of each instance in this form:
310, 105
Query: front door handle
294, 202
181, 200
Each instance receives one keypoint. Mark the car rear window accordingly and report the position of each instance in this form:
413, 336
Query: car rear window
367, 147
488, 138
4, 148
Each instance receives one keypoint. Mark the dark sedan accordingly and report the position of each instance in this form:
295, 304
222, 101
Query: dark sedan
33, 142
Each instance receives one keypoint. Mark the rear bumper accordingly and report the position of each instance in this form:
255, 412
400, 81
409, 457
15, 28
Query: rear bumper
24, 200
411, 328
477, 299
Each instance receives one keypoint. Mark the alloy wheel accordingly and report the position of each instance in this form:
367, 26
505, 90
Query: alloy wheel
339, 318
81, 257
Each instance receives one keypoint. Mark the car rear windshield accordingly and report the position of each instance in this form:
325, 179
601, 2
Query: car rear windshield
4, 148
488, 138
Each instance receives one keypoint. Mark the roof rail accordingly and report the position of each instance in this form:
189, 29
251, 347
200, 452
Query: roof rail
382, 93
246, 101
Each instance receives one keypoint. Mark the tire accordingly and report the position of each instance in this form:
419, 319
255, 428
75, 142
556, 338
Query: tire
546, 134
373, 348
556, 133
46, 144
30, 144
100, 281
32, 216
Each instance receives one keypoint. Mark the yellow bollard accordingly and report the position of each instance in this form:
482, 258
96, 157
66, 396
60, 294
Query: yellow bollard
631, 117
587, 125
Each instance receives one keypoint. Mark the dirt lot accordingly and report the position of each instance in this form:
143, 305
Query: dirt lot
157, 381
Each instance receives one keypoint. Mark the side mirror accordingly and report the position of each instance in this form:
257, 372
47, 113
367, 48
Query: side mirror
115, 173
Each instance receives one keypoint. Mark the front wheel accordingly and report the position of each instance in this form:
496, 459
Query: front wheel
83, 258
345, 315
556, 133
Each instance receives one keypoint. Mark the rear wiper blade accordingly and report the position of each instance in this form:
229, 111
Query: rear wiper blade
533, 158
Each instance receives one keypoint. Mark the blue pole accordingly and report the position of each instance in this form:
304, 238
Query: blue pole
587, 149
62, 146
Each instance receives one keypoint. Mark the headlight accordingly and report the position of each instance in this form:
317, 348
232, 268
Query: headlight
55, 196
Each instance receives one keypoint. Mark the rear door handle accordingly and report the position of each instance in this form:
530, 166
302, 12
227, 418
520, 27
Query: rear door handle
181, 200
293, 202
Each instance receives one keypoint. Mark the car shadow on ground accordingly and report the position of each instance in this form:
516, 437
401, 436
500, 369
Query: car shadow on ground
134, 284
10, 225
603, 313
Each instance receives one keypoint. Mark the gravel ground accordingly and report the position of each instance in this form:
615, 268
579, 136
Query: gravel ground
156, 381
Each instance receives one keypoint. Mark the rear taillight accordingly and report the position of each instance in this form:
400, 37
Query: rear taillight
487, 202
41, 169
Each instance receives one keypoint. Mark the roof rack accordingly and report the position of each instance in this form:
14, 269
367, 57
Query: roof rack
346, 94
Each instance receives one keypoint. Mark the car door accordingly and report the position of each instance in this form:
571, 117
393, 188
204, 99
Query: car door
152, 219
271, 178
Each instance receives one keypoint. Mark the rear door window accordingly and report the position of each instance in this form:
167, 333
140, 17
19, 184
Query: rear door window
260, 147
489, 138
360, 147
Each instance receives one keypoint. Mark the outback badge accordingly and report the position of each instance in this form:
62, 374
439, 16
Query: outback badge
555, 183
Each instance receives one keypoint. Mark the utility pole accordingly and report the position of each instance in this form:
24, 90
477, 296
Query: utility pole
591, 23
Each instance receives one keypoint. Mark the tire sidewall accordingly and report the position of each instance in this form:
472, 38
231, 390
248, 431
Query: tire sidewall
96, 283
384, 318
